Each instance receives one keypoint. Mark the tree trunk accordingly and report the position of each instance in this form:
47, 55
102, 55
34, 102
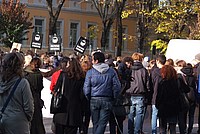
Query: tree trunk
120, 7
105, 34
52, 25
119, 29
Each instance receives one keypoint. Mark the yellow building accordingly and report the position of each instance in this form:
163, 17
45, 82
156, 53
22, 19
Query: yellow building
74, 20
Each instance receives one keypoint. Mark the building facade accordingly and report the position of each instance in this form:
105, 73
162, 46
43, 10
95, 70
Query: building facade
75, 20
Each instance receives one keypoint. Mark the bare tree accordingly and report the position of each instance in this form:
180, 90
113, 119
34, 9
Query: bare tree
53, 14
107, 10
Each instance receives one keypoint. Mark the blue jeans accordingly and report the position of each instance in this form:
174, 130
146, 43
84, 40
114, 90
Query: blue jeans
135, 118
154, 119
100, 112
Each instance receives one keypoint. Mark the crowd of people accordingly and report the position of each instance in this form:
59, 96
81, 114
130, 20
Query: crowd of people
99, 88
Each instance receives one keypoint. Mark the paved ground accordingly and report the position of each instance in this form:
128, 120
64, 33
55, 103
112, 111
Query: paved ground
146, 126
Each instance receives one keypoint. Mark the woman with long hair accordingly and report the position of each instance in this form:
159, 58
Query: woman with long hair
167, 100
68, 119
35, 78
86, 65
19, 111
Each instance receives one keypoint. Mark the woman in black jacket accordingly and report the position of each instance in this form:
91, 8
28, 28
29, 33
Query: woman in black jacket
191, 82
35, 78
68, 119
167, 100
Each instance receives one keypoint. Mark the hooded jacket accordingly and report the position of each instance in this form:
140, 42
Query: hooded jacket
190, 78
19, 111
101, 81
139, 80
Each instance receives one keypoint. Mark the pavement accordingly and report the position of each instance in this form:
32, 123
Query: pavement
146, 125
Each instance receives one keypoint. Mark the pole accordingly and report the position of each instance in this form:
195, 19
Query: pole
35, 50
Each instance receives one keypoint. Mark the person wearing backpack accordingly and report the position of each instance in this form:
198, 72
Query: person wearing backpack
191, 82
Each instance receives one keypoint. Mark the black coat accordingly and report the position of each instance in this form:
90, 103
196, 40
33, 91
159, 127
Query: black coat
35, 79
155, 80
71, 109
139, 80
167, 99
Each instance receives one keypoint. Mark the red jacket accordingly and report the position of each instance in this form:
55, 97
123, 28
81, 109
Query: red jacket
54, 79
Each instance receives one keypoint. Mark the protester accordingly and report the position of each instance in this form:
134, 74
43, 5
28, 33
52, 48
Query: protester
155, 80
86, 65
169, 62
138, 89
64, 62
167, 102
19, 111
68, 119
100, 87
124, 71
119, 115
35, 78
28, 57
182, 118
191, 82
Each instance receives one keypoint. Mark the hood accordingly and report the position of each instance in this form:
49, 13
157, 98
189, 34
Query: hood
187, 70
28, 69
5, 86
137, 65
101, 67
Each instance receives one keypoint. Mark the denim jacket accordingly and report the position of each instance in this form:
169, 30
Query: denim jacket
101, 81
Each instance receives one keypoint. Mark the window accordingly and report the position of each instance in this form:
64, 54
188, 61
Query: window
124, 38
75, 4
108, 45
40, 2
40, 26
73, 34
91, 35
59, 27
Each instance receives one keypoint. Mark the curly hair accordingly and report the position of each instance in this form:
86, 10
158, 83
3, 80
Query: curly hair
12, 66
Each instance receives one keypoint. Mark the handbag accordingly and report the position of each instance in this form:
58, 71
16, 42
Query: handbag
2, 131
57, 98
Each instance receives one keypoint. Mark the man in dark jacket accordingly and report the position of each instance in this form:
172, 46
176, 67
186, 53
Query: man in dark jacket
138, 89
101, 87
156, 78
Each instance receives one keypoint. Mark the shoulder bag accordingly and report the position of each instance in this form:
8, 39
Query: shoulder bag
2, 131
57, 98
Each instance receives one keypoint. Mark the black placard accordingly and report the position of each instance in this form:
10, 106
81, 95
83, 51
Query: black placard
81, 45
55, 43
37, 40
